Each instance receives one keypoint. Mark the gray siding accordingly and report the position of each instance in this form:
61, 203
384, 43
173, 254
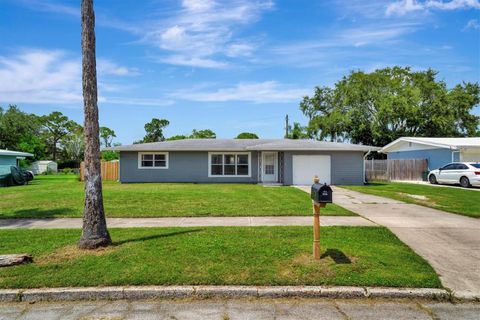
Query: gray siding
184, 166
346, 166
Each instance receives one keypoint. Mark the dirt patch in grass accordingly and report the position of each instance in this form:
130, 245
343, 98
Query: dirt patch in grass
10, 196
69, 253
305, 265
419, 199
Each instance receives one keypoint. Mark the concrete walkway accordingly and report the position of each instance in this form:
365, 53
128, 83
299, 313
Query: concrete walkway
449, 242
76, 223
242, 309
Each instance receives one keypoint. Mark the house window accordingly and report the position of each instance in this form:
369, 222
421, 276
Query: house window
229, 164
153, 160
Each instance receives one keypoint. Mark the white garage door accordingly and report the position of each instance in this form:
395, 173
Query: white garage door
306, 167
470, 155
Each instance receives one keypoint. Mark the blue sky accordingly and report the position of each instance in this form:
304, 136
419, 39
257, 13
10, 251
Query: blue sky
229, 66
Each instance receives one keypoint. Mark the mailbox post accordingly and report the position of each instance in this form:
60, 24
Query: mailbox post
321, 195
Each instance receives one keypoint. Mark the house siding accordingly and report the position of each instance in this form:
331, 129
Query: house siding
346, 166
183, 166
8, 160
436, 157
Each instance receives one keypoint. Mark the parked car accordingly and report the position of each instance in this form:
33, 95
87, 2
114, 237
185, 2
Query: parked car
464, 173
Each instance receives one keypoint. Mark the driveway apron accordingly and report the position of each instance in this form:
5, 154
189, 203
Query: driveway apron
449, 242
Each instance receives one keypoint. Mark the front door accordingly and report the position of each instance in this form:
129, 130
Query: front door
269, 166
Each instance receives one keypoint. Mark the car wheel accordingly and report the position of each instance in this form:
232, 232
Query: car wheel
464, 182
432, 179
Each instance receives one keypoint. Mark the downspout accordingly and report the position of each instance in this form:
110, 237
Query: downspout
364, 172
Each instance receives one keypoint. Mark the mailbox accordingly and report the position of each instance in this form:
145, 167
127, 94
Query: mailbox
321, 193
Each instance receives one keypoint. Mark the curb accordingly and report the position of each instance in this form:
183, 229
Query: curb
172, 292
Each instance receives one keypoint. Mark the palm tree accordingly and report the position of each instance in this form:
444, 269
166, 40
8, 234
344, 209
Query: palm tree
94, 232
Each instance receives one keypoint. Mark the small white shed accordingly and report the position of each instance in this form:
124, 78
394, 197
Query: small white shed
39, 167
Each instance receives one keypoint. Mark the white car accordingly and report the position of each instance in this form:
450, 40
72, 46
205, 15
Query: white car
465, 173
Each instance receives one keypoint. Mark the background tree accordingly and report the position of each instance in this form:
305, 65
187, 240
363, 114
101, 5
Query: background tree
379, 107
94, 231
108, 155
107, 135
247, 135
73, 146
297, 132
21, 131
56, 127
154, 130
203, 134
178, 137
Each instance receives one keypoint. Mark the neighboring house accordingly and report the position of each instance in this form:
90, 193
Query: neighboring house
42, 166
276, 161
10, 158
438, 151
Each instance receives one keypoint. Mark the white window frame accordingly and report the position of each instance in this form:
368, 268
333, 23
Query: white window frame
167, 162
223, 153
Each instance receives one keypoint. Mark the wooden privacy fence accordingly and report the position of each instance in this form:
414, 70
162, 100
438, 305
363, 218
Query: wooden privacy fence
109, 170
404, 169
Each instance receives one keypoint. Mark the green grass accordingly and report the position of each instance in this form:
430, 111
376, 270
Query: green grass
461, 201
62, 196
360, 256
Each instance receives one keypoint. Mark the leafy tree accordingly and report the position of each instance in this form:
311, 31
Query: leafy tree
379, 107
20, 131
108, 155
178, 137
203, 134
56, 126
154, 130
297, 132
94, 230
247, 135
73, 145
107, 135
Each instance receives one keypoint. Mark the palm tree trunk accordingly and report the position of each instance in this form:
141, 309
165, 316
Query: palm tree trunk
94, 232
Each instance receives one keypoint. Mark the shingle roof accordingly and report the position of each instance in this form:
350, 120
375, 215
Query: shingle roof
449, 143
12, 153
244, 145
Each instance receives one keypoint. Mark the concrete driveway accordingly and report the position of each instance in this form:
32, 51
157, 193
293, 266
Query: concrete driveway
449, 242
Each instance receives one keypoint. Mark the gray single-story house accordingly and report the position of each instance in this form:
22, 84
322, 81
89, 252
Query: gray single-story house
269, 161
438, 151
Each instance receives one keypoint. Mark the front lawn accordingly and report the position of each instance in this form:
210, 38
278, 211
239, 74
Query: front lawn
62, 196
462, 201
361, 256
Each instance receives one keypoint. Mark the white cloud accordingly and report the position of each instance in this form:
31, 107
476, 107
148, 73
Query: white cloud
407, 6
203, 32
51, 76
101, 19
182, 60
472, 24
48, 6
136, 101
339, 44
257, 92
198, 5
403, 7
38, 76
107, 67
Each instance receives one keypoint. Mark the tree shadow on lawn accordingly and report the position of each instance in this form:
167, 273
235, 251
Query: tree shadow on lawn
156, 236
337, 256
35, 213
